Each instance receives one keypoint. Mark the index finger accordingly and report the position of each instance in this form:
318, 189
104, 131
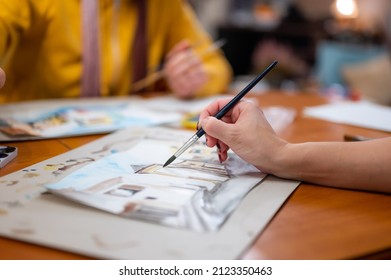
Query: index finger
213, 108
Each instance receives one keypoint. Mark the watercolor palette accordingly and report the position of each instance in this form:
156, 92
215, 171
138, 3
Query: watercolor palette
7, 153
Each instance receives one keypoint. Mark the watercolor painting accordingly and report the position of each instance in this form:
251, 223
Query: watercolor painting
111, 199
79, 120
43, 119
196, 192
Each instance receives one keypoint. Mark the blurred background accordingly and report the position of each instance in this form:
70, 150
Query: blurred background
339, 48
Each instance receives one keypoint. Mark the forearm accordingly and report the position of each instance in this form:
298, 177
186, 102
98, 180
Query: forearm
361, 165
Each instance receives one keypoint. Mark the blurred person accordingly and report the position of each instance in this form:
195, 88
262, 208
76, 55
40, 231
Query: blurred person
361, 165
84, 48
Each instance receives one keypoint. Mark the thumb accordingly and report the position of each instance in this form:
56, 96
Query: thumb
216, 128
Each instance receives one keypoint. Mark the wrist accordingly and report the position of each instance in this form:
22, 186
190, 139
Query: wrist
285, 163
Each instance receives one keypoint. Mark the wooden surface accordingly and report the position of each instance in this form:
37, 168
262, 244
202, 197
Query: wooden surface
315, 222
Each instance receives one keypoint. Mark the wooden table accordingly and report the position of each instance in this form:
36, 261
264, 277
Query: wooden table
315, 222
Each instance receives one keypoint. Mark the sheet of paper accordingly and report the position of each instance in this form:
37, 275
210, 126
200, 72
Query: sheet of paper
195, 192
43, 119
28, 212
70, 117
362, 114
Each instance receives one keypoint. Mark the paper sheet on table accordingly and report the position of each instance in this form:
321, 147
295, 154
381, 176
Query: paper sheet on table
362, 114
45, 119
29, 213
195, 192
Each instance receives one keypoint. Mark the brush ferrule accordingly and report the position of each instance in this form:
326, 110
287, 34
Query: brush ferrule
185, 146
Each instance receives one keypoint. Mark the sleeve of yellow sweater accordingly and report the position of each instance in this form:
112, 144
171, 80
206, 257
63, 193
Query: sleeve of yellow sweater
14, 19
184, 24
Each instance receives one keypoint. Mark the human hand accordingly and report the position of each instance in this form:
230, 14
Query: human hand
245, 130
2, 78
184, 70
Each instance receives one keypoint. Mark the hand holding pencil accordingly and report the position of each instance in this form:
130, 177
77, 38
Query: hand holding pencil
183, 70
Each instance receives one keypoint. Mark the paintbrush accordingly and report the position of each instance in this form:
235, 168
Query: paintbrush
221, 113
159, 73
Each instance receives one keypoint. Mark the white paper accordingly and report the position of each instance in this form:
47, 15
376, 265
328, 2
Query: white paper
195, 192
31, 214
362, 114
44, 119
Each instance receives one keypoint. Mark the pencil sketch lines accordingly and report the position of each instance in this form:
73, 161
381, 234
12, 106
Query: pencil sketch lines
70, 163
195, 192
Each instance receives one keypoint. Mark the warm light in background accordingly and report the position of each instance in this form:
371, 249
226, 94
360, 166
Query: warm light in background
345, 9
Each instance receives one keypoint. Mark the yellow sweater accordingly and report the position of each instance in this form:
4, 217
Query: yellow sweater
40, 46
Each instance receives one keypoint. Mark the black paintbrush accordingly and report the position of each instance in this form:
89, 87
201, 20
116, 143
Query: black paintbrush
221, 113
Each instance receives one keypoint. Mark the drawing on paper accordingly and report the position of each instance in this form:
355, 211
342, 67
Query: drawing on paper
195, 192
78, 120
68, 117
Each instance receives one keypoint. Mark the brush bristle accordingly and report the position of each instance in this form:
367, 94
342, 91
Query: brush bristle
171, 159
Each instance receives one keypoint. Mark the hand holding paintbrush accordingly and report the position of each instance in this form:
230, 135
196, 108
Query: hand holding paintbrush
183, 70
221, 113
